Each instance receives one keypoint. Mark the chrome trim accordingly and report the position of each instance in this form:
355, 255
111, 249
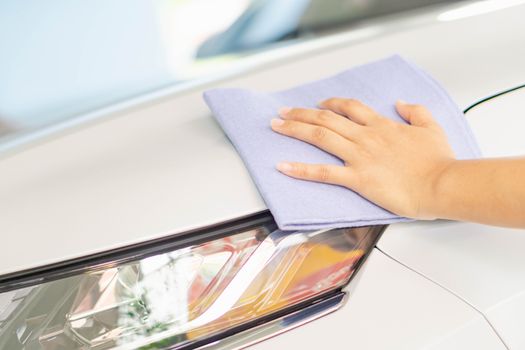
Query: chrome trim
280, 325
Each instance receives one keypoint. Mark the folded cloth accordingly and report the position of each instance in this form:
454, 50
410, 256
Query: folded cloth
301, 205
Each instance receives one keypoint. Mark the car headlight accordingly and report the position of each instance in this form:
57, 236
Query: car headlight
184, 292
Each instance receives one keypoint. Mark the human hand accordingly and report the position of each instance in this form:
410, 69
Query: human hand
395, 165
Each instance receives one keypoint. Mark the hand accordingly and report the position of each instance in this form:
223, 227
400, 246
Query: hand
395, 165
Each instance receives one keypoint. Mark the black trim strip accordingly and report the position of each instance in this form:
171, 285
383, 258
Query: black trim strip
493, 96
102, 260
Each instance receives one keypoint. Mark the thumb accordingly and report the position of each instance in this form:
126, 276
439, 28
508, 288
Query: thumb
416, 115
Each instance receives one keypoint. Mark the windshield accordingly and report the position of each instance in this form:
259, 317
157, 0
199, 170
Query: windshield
62, 59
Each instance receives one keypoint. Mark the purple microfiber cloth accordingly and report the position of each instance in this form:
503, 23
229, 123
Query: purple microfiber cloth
301, 205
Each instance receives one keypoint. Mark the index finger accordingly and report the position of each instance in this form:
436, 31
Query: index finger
353, 109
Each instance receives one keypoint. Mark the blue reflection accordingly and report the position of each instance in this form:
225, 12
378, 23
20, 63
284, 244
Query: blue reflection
63, 58
263, 22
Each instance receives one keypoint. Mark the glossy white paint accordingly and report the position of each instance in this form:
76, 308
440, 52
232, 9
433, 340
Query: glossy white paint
391, 307
499, 124
484, 265
478, 262
481, 264
164, 166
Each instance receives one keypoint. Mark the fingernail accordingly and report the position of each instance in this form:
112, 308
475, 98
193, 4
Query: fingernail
284, 111
277, 122
401, 102
284, 167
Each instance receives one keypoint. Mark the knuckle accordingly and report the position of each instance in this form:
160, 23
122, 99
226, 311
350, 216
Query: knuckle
290, 127
323, 173
351, 103
301, 170
293, 113
323, 116
319, 133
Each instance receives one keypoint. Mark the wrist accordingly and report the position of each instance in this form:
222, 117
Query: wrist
439, 184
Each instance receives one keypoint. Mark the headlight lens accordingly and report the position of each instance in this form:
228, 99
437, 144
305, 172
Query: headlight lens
185, 295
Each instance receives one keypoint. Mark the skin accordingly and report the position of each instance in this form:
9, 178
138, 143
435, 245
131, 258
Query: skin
408, 169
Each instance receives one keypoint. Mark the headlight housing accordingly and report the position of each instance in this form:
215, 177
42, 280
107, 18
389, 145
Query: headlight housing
184, 292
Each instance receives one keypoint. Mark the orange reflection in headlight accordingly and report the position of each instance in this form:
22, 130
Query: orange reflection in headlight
303, 272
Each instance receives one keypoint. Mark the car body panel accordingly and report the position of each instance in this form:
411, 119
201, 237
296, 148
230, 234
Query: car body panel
391, 307
167, 165
499, 123
482, 265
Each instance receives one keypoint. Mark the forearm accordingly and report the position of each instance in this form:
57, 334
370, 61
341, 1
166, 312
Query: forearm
489, 191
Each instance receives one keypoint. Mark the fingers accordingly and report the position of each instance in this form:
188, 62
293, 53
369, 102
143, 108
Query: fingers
331, 174
353, 109
416, 115
328, 119
319, 136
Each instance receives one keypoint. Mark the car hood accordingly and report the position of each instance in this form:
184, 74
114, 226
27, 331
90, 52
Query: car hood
162, 166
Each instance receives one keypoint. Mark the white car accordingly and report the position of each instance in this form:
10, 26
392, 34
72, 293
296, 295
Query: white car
138, 226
